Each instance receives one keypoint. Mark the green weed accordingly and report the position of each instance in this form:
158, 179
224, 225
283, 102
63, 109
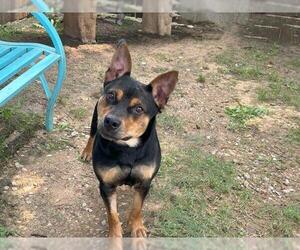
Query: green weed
241, 114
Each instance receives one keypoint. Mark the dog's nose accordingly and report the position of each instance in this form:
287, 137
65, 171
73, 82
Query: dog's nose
111, 122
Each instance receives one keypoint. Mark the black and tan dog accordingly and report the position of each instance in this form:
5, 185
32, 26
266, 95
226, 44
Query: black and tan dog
123, 141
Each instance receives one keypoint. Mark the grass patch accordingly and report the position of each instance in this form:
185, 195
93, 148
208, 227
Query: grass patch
193, 188
241, 114
4, 232
162, 57
295, 63
8, 32
160, 70
294, 135
201, 78
282, 221
79, 113
170, 122
239, 66
280, 90
248, 63
12, 120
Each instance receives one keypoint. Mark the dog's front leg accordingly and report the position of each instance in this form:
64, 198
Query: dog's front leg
109, 196
86, 154
135, 219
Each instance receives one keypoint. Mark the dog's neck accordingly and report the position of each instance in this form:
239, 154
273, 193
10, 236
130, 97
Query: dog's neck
125, 154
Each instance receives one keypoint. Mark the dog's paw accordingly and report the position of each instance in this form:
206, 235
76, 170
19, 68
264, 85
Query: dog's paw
115, 232
139, 231
86, 155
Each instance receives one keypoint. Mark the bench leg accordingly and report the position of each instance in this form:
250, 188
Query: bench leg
54, 96
45, 86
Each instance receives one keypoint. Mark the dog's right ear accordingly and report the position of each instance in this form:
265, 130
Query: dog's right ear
120, 64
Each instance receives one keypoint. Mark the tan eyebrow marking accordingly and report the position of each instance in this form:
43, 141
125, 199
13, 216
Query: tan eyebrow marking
134, 102
119, 94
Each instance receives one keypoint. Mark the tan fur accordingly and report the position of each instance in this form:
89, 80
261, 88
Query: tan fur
115, 229
103, 108
120, 94
134, 102
86, 154
135, 127
144, 172
135, 220
110, 175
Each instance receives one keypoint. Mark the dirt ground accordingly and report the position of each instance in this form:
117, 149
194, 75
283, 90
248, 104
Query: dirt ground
48, 191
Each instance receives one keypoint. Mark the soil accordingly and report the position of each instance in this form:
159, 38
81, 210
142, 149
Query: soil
52, 193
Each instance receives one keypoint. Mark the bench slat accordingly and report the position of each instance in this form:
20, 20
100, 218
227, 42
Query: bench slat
23, 61
4, 50
11, 56
26, 78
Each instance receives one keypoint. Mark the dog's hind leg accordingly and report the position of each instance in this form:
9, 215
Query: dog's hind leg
135, 220
109, 196
87, 153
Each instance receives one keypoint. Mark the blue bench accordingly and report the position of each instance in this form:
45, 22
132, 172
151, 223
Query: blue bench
22, 63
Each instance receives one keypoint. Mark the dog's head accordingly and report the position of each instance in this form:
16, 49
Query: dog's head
127, 106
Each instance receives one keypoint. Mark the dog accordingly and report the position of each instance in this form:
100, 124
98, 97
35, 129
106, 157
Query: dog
123, 142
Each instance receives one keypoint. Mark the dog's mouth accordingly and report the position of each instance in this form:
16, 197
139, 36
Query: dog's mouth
113, 137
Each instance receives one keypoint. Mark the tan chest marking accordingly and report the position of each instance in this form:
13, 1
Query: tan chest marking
111, 175
144, 172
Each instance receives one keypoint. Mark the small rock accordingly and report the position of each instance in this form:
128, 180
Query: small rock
144, 63
190, 26
288, 190
74, 134
89, 210
84, 204
246, 184
247, 176
103, 223
286, 182
14, 188
28, 201
14, 183
18, 165
24, 169
6, 188
266, 179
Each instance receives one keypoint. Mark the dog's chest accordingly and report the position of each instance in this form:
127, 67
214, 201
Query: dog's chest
126, 174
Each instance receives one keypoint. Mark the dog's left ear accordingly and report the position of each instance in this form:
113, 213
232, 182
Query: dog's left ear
163, 86
120, 63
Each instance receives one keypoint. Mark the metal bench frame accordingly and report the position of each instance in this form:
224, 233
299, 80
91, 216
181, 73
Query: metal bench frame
17, 56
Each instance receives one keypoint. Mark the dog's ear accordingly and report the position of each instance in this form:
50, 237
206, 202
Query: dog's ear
163, 86
120, 63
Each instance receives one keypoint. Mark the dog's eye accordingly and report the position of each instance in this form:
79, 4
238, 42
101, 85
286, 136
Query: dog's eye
139, 109
110, 97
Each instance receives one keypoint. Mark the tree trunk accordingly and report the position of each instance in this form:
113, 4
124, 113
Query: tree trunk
157, 23
156, 17
81, 26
